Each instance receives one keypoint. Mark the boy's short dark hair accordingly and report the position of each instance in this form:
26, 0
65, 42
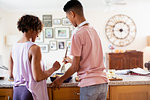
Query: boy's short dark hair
29, 22
75, 6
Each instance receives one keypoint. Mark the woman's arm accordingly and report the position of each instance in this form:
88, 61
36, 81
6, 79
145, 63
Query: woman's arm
38, 73
10, 66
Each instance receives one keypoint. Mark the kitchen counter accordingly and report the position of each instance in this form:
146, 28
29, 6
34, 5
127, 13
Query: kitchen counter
132, 80
127, 80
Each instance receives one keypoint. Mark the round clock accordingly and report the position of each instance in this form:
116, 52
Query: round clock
120, 30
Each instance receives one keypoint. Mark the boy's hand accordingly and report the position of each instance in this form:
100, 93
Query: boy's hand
67, 60
56, 83
56, 65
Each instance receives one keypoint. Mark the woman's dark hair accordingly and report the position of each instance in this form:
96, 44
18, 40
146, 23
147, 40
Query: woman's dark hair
29, 22
75, 6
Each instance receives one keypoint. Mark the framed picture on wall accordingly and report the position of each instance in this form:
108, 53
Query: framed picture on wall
69, 44
56, 21
48, 33
61, 44
44, 48
62, 33
47, 20
53, 45
40, 38
66, 22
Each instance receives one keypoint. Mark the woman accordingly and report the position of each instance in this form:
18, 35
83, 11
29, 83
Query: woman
25, 63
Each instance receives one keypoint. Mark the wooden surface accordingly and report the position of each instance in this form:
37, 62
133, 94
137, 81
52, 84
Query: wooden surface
6, 94
127, 60
134, 92
66, 94
50, 93
69, 94
115, 79
141, 92
108, 94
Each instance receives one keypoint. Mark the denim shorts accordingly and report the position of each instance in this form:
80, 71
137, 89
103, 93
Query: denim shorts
94, 92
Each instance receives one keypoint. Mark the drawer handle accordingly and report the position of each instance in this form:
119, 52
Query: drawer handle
76, 93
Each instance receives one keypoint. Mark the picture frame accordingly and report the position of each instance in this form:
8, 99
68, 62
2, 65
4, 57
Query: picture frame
48, 33
53, 45
44, 48
47, 20
40, 38
68, 44
61, 44
57, 21
66, 22
62, 33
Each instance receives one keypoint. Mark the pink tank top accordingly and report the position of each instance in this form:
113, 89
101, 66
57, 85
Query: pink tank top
22, 71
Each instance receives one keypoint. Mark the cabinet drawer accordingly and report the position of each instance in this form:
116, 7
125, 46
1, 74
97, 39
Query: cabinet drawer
71, 93
134, 92
6, 94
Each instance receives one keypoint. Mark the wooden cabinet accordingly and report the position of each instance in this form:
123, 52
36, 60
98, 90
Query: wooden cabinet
131, 92
6, 94
66, 93
108, 94
138, 92
70, 93
127, 60
49, 90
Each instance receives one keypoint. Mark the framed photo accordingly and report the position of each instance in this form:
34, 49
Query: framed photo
69, 44
47, 23
53, 45
40, 38
62, 33
44, 48
47, 20
61, 44
56, 21
66, 22
48, 32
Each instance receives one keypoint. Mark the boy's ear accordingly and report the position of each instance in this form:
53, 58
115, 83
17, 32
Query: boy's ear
72, 13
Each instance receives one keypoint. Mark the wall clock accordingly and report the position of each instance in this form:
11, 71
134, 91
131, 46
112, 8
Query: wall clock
120, 30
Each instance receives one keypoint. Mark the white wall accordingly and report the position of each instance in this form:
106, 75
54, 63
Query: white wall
2, 36
98, 17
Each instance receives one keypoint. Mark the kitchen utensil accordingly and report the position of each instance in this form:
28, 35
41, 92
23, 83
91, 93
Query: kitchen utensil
63, 66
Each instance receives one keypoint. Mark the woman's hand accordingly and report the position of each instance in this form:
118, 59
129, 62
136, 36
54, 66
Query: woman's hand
67, 60
56, 66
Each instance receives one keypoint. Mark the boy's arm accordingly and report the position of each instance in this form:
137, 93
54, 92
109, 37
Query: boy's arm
74, 68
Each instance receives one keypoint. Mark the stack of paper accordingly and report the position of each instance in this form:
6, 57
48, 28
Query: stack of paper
140, 71
122, 72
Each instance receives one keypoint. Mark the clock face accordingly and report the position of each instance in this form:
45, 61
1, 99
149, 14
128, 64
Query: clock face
120, 30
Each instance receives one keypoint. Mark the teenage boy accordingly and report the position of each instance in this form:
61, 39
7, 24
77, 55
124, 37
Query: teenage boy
87, 55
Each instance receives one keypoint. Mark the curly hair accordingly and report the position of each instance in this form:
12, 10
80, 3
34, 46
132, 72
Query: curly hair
29, 22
